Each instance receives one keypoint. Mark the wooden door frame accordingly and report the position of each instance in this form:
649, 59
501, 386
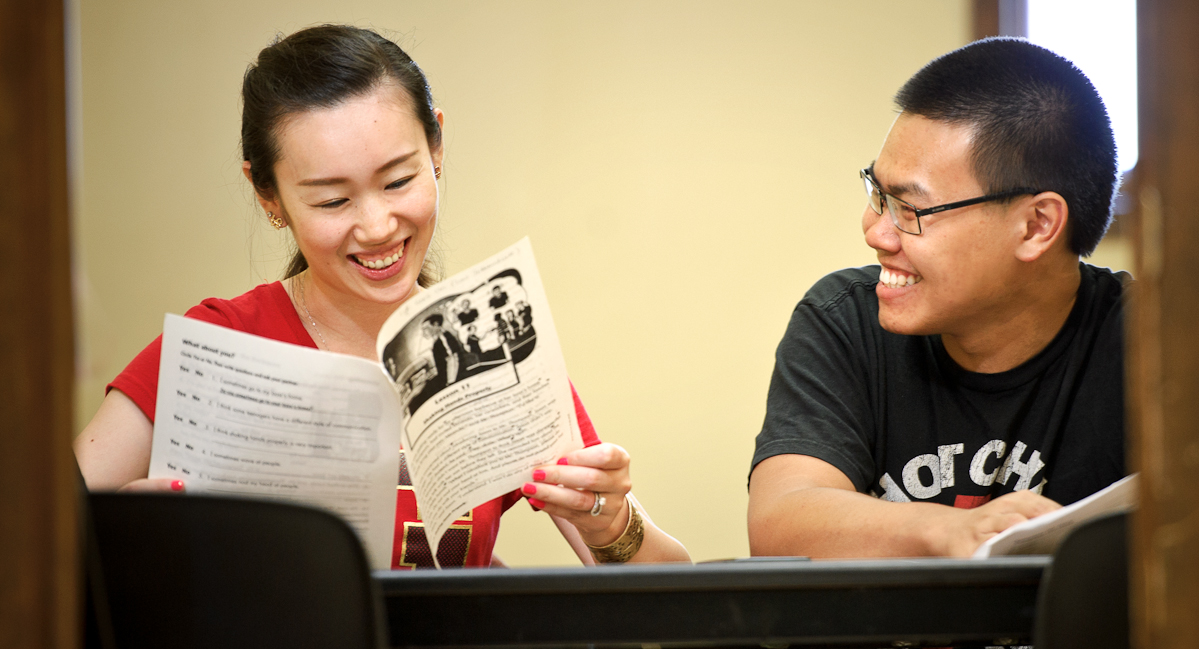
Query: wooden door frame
39, 549
1163, 353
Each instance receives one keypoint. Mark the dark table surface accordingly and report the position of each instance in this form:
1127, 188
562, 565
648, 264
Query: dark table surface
773, 603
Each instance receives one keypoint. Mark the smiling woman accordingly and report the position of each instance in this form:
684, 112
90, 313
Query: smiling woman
343, 147
277, 93
357, 187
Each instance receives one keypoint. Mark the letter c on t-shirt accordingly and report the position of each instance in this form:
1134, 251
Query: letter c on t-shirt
996, 447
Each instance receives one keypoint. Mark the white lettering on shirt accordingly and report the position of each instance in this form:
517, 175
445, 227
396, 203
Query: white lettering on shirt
1026, 470
891, 491
911, 476
978, 474
946, 453
942, 471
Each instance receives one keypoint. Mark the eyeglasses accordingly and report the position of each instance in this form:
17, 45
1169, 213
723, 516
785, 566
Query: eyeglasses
906, 216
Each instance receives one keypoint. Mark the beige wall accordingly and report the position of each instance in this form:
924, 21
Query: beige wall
685, 171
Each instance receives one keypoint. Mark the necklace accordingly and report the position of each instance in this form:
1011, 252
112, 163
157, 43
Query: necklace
304, 303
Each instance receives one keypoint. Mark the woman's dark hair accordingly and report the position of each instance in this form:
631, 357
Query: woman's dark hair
321, 67
1037, 120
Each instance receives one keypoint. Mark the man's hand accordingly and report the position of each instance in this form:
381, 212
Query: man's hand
961, 531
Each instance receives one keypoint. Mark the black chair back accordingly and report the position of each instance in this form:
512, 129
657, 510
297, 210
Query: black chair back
197, 571
1083, 599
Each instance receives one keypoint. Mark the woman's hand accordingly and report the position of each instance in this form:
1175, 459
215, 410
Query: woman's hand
150, 485
573, 488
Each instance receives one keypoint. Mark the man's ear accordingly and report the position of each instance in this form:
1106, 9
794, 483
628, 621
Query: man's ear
268, 203
1044, 221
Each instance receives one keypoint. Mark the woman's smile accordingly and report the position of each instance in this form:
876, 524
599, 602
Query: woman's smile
381, 265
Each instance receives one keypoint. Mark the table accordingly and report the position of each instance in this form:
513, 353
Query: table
771, 603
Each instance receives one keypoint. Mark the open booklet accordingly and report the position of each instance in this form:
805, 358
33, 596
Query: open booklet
472, 383
1042, 535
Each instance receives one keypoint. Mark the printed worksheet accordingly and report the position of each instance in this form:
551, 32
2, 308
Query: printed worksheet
241, 414
476, 364
471, 383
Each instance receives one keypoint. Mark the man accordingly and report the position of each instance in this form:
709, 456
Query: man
498, 297
467, 315
975, 379
447, 352
526, 314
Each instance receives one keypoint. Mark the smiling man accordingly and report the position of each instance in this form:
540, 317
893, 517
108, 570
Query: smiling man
974, 378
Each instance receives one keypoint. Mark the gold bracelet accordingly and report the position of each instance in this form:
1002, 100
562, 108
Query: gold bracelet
627, 544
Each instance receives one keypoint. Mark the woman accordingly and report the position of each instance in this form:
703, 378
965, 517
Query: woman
343, 146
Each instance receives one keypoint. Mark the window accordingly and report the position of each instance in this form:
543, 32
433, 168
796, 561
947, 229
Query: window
1100, 37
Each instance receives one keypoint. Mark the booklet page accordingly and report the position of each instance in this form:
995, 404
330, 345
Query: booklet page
246, 415
482, 384
1042, 535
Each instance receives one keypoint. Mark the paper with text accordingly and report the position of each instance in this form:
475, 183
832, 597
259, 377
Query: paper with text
476, 364
1042, 535
246, 415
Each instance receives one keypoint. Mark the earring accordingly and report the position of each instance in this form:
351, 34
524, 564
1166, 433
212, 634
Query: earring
437, 173
276, 221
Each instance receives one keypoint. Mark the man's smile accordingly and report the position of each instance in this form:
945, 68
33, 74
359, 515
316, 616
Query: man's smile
897, 279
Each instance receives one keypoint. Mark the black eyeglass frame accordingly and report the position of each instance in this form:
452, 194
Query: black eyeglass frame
867, 174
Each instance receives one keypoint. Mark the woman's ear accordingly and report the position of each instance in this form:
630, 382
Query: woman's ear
438, 154
270, 204
1044, 222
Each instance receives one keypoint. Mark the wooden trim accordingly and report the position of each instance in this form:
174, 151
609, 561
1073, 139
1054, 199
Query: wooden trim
39, 548
1163, 353
985, 18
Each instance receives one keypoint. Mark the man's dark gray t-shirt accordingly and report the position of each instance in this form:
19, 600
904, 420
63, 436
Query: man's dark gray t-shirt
903, 421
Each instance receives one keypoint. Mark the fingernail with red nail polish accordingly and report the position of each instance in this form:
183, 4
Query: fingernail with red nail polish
529, 489
563, 461
537, 503
539, 475
176, 485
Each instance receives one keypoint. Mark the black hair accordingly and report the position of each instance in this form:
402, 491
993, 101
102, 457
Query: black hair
322, 67
435, 320
1037, 121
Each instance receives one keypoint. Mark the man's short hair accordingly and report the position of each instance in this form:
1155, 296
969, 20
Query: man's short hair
1037, 121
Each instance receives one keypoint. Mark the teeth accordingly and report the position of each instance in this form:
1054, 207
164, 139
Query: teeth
382, 263
897, 280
